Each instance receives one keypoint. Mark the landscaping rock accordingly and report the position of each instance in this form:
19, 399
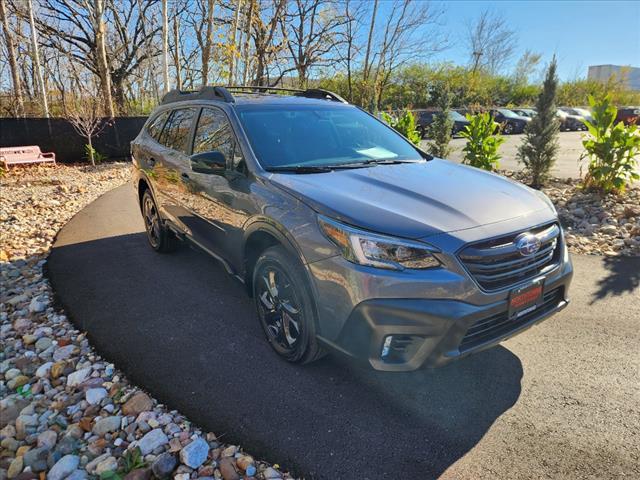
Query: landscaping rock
152, 440
194, 454
64, 467
164, 465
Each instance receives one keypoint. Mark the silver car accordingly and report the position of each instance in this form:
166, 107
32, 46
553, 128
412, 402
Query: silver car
348, 237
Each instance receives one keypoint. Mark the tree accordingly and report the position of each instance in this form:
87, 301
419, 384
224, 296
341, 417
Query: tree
540, 144
35, 51
312, 37
13, 65
490, 43
440, 130
84, 114
165, 46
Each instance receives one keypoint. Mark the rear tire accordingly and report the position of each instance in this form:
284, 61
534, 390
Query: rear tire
160, 238
285, 306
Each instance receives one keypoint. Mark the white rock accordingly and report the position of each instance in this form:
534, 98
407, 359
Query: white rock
44, 369
152, 440
63, 467
95, 395
77, 377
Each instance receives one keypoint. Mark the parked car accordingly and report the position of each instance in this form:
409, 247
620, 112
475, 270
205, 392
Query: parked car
569, 122
524, 112
576, 117
348, 237
424, 118
628, 115
510, 121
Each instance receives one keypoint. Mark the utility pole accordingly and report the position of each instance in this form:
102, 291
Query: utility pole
36, 59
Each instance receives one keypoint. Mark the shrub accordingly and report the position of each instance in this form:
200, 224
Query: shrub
613, 150
483, 141
440, 130
93, 155
540, 143
404, 124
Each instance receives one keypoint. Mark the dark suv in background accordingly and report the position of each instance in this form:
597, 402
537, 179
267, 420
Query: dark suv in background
348, 237
510, 121
424, 118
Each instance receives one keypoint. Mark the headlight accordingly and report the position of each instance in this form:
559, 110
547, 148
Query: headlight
379, 251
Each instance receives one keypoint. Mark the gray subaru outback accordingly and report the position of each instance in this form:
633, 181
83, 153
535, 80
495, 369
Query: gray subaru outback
348, 237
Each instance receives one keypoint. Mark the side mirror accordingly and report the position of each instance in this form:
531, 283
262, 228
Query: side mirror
212, 163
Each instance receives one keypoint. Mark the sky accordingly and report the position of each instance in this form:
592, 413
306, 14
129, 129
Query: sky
580, 33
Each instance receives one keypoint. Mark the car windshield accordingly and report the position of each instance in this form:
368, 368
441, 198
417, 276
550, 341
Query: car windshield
321, 136
507, 113
583, 112
455, 116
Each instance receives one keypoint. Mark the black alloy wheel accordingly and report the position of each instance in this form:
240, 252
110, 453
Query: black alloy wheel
284, 305
160, 237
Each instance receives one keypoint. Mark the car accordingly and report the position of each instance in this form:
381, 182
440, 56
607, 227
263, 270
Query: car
569, 122
524, 112
576, 117
628, 115
510, 121
349, 238
424, 118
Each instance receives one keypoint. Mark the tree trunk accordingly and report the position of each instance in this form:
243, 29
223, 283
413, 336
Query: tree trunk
101, 53
232, 60
176, 56
91, 157
245, 71
36, 59
13, 65
369, 41
165, 46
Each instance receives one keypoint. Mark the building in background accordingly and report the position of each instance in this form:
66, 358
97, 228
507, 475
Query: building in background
602, 73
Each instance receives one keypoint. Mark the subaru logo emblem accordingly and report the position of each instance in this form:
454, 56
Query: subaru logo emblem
527, 244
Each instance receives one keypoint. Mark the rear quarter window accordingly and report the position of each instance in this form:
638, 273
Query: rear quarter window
177, 131
154, 128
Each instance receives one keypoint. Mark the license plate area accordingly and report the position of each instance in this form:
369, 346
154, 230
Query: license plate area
525, 299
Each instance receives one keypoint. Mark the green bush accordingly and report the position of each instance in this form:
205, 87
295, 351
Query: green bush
404, 124
441, 129
539, 146
91, 153
483, 141
612, 150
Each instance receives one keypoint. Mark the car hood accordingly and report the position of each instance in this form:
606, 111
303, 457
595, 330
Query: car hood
413, 200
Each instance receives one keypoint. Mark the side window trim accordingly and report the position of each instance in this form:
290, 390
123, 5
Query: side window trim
189, 146
164, 113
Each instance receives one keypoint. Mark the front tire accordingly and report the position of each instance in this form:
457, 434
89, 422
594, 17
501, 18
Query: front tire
159, 236
283, 300
508, 129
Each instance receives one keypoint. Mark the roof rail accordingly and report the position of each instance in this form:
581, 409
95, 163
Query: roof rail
308, 93
205, 93
224, 94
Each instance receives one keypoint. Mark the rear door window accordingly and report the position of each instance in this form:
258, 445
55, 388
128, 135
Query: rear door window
177, 132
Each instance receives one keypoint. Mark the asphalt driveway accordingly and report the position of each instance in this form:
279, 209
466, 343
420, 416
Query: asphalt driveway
561, 400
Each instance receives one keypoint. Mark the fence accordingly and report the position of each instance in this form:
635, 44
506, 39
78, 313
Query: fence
57, 135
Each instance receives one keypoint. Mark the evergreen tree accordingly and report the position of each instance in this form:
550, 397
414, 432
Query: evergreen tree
540, 144
439, 132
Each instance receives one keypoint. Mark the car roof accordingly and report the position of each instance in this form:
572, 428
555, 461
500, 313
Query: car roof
252, 95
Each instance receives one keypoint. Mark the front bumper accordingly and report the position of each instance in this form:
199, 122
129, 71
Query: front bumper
433, 333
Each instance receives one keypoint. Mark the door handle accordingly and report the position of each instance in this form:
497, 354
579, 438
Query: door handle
185, 176
152, 161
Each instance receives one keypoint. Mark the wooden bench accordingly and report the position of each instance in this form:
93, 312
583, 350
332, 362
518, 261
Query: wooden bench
20, 155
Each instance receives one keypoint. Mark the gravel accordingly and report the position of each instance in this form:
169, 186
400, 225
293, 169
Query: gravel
596, 224
68, 413
65, 412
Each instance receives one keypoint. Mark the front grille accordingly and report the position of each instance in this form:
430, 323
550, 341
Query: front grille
497, 263
495, 326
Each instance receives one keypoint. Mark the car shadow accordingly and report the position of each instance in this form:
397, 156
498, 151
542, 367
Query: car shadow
183, 329
623, 276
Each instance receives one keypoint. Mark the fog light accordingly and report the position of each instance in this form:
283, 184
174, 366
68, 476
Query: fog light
386, 346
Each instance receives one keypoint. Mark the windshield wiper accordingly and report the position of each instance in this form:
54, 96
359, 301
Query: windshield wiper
299, 169
389, 161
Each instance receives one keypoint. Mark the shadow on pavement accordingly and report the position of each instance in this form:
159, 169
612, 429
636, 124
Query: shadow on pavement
186, 331
623, 276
